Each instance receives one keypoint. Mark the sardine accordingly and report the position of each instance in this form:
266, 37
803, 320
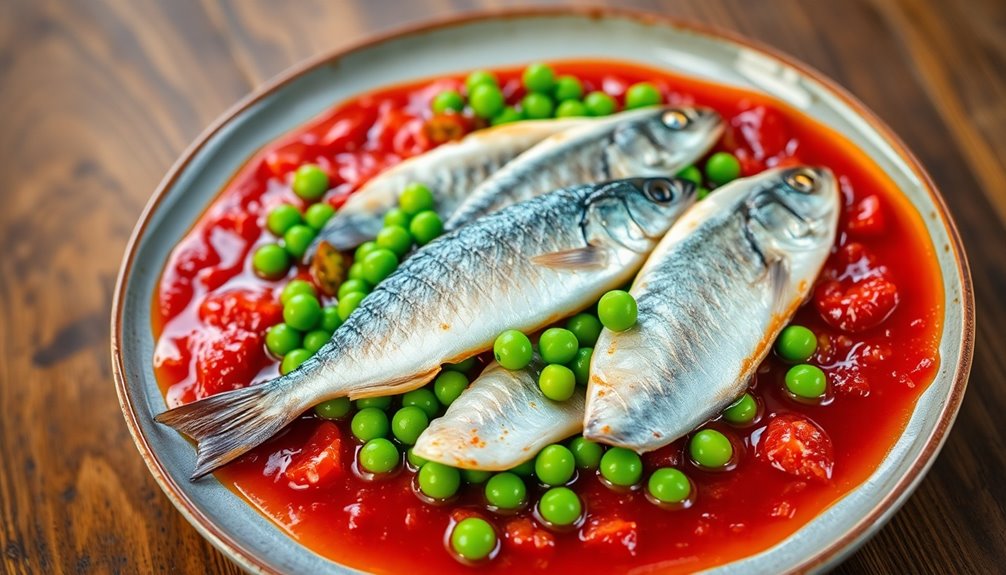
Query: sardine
451, 171
502, 420
658, 141
712, 298
520, 268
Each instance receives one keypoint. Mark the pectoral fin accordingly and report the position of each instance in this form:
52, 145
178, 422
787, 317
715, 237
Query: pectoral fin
580, 258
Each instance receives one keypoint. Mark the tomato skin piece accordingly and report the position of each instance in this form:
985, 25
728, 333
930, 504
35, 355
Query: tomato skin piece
866, 218
613, 534
863, 305
525, 536
321, 459
796, 445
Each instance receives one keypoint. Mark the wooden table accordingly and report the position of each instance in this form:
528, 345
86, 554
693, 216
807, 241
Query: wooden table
98, 98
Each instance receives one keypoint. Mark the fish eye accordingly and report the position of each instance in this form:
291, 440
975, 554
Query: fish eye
676, 119
802, 180
661, 190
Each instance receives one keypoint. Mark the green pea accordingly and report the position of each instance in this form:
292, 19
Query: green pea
318, 215
539, 77
334, 408
297, 239
302, 312
668, 485
271, 261
506, 491
281, 339
397, 217
722, 168
438, 481
369, 423
570, 109
587, 454
585, 327
557, 382
449, 385
599, 104
479, 77
378, 265
642, 94
424, 399
711, 449
621, 467
508, 115
560, 506
382, 403
692, 174
353, 286
554, 465
473, 539
557, 345
463, 367
537, 106
379, 455
581, 365
567, 88
310, 182
330, 320
395, 238
415, 460
512, 349
617, 310
447, 101
292, 360
486, 101
742, 411
475, 476
282, 218
796, 343
295, 287
363, 250
407, 423
807, 381
701, 193
315, 340
426, 226
355, 271
525, 469
415, 198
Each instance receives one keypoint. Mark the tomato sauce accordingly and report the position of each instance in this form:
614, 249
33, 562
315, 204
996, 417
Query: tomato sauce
876, 309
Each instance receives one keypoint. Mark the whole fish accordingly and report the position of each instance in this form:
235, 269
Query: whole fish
502, 420
658, 141
451, 171
712, 298
520, 268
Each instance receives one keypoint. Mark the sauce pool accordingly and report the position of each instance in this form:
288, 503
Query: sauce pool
877, 369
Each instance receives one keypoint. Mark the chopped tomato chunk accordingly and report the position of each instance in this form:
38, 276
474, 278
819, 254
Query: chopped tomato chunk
249, 310
526, 536
611, 533
796, 445
227, 360
863, 305
320, 461
867, 217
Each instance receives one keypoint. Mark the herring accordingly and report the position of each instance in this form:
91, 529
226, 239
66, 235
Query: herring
521, 268
745, 257
658, 141
502, 420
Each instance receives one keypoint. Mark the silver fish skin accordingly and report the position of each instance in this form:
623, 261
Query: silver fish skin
712, 298
658, 141
451, 171
522, 268
502, 420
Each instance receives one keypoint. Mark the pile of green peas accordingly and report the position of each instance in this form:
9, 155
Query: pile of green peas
306, 325
720, 168
567, 350
296, 230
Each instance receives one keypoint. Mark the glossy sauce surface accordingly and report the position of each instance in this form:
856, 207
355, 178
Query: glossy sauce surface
882, 265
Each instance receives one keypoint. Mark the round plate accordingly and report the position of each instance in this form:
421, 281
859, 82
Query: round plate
504, 39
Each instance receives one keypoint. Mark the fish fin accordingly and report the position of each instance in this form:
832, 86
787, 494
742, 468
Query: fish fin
579, 258
778, 272
229, 424
397, 385
345, 233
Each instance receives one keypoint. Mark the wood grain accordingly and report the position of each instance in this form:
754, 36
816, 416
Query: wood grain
99, 98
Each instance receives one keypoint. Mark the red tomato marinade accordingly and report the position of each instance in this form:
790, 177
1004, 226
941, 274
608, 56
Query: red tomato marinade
877, 311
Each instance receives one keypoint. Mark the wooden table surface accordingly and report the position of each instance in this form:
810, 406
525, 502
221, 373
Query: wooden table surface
99, 97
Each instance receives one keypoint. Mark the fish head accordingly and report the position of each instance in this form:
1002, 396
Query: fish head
635, 213
666, 139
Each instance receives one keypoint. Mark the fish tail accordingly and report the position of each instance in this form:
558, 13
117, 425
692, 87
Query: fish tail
229, 424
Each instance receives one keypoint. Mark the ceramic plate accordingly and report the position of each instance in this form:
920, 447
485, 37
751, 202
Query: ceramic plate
500, 40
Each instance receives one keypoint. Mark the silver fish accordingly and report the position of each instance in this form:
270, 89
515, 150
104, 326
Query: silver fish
712, 298
451, 171
657, 141
520, 268
502, 420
